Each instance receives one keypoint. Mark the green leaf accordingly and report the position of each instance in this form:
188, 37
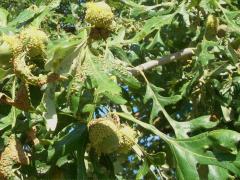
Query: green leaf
9, 119
81, 169
205, 55
88, 108
118, 68
25, 15
181, 129
3, 17
157, 159
105, 85
144, 169
232, 18
62, 161
115, 98
98, 167
65, 55
155, 23
215, 148
45, 11
42, 167
216, 172
157, 39
116, 40
3, 73
120, 53
226, 113
209, 6
127, 78
139, 9
73, 137
154, 160
219, 148
185, 14
158, 101
74, 99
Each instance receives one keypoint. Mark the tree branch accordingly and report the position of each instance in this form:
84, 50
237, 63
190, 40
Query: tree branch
188, 52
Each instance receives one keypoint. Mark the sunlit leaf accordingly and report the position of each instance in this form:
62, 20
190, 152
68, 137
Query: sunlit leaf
3, 17
218, 148
155, 23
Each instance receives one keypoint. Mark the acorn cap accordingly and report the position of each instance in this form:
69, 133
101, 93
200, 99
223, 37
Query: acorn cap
104, 135
129, 138
211, 27
99, 14
34, 40
12, 43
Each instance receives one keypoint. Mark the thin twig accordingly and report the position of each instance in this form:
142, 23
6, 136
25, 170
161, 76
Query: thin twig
188, 52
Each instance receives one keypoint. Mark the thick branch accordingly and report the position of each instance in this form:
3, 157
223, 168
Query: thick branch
188, 52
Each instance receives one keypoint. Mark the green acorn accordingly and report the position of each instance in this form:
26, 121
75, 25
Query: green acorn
211, 27
99, 15
34, 41
128, 140
10, 47
13, 43
104, 135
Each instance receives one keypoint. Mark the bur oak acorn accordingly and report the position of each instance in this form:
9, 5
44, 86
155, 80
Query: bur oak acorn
34, 41
106, 136
99, 15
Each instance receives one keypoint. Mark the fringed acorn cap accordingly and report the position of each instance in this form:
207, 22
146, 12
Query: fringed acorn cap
99, 15
34, 40
13, 43
128, 140
211, 27
12, 154
107, 135
104, 135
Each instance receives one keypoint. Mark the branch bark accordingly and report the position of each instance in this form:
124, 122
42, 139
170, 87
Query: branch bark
188, 52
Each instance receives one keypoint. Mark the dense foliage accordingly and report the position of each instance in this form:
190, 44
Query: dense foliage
128, 89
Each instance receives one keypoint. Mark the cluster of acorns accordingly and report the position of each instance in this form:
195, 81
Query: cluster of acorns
12, 154
107, 136
30, 40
